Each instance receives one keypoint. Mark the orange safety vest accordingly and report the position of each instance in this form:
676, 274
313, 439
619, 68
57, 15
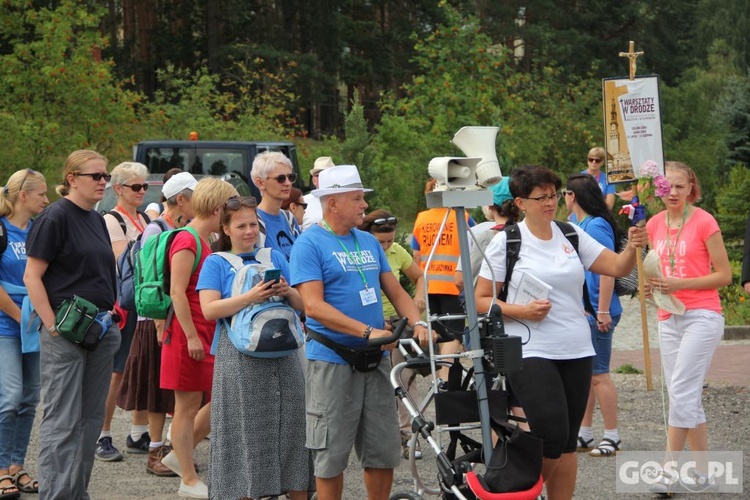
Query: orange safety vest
445, 259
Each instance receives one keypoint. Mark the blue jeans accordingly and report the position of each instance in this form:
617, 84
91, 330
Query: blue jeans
602, 344
19, 396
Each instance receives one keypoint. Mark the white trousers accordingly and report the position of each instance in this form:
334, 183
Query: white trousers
688, 343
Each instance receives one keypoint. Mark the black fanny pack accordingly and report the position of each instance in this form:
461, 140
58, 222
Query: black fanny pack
361, 360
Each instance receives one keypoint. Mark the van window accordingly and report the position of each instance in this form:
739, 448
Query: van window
160, 160
209, 161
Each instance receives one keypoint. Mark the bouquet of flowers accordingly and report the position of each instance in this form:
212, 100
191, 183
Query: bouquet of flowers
650, 182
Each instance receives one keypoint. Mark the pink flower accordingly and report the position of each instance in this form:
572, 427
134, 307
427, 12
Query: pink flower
649, 169
662, 186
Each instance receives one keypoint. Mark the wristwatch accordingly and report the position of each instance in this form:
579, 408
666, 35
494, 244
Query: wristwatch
420, 323
367, 333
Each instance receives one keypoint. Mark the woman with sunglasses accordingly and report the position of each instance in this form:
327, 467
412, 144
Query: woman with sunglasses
69, 253
295, 206
187, 364
382, 224
258, 404
554, 384
597, 157
272, 174
124, 224
23, 197
583, 197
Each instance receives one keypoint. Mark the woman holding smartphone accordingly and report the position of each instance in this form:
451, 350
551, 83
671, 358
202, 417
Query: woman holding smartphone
258, 404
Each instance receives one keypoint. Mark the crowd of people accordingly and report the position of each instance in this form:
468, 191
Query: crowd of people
287, 423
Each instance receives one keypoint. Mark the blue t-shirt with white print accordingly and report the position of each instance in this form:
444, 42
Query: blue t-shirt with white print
318, 256
12, 267
218, 274
279, 235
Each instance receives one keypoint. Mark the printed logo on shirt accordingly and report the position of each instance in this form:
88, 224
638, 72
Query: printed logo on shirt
19, 249
365, 259
569, 250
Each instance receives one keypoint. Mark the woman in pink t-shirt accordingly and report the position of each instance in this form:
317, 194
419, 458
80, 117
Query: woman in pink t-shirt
694, 265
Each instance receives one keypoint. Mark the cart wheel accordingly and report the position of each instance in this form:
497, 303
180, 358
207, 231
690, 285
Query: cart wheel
410, 495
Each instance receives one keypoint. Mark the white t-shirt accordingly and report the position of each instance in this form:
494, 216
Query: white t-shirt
313, 212
565, 332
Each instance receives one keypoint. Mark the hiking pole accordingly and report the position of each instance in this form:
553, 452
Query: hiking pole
644, 318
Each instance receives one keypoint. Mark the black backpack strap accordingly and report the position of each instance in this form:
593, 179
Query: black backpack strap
145, 217
572, 236
3, 237
512, 251
117, 215
161, 223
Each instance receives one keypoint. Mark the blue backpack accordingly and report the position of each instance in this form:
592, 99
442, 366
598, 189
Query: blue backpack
126, 270
268, 330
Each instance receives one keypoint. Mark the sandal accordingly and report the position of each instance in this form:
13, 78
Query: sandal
607, 448
584, 445
8, 492
30, 486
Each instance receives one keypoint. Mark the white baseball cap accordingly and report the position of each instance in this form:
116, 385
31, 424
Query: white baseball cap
177, 183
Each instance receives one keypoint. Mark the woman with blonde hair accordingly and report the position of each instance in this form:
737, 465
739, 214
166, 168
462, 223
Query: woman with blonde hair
124, 224
187, 365
23, 197
694, 264
69, 254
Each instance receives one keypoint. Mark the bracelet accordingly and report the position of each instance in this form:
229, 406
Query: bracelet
367, 333
423, 324
602, 312
52, 329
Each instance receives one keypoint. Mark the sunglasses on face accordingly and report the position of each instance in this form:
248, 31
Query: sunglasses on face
303, 205
281, 178
595, 160
136, 187
385, 220
96, 176
235, 202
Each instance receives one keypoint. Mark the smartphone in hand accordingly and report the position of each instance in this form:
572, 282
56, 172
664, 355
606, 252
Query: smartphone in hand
273, 274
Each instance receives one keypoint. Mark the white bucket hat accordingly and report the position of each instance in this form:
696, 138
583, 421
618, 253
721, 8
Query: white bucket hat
322, 163
339, 179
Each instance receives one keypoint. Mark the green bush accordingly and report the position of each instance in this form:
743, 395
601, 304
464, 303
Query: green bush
734, 299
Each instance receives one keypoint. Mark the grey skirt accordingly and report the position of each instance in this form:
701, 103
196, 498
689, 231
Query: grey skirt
257, 426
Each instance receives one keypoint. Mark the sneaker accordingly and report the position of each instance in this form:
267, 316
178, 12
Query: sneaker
106, 451
171, 462
198, 490
665, 483
154, 465
405, 449
139, 447
696, 482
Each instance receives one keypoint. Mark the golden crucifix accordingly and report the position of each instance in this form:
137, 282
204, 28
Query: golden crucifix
632, 55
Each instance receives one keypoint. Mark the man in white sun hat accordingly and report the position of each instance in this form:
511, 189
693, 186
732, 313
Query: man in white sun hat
313, 211
339, 272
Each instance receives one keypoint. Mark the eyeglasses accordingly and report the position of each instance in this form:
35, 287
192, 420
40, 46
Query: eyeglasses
566, 192
281, 178
545, 198
385, 220
595, 160
136, 187
235, 202
97, 176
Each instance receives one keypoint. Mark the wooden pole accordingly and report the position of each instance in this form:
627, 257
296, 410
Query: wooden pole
632, 55
644, 322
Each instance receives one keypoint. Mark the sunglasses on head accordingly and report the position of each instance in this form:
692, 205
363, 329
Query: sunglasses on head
235, 202
595, 160
97, 176
136, 187
281, 178
385, 220
566, 192
20, 186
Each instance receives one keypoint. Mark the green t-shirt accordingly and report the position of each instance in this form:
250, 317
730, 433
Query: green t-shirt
400, 260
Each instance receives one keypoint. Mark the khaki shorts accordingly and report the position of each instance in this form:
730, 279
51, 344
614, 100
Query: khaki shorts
347, 408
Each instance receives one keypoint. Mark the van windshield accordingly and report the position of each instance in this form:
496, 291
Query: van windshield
197, 160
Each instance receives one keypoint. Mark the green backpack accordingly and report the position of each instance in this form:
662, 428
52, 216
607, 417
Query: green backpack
152, 274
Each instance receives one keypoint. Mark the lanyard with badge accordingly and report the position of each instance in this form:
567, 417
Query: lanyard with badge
367, 296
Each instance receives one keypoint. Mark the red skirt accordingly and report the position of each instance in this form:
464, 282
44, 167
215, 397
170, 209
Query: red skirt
179, 371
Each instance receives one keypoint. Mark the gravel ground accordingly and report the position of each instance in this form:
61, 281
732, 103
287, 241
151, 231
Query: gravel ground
642, 427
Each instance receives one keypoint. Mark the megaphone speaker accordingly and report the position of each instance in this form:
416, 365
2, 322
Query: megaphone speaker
480, 142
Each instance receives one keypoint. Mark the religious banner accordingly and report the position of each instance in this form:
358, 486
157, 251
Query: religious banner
632, 126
